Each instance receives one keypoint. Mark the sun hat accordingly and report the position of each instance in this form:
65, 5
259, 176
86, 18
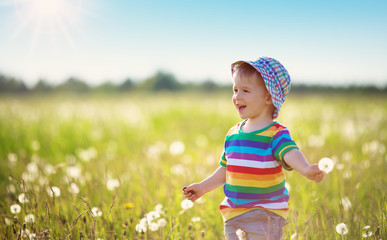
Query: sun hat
275, 76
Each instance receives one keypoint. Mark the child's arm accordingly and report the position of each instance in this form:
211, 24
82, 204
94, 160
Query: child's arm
196, 190
295, 159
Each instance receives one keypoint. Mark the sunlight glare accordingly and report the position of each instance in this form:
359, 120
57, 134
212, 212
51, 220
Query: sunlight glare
48, 16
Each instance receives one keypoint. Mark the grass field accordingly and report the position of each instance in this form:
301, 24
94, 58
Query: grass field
112, 167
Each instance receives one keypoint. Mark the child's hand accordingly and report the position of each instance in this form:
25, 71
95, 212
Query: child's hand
314, 173
193, 192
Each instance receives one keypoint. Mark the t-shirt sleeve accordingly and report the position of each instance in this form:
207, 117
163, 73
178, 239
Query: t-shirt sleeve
282, 143
223, 160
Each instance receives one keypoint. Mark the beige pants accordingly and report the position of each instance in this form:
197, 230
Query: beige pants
255, 225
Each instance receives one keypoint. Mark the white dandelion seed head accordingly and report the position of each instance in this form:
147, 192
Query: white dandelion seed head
153, 226
195, 219
152, 215
162, 222
367, 234
7, 221
29, 218
141, 228
49, 169
186, 204
96, 211
74, 172
178, 169
11, 188
15, 208
73, 188
177, 148
112, 184
346, 203
12, 159
87, 154
159, 208
32, 167
32, 236
294, 235
25, 233
342, 229
53, 191
326, 165
23, 198
366, 227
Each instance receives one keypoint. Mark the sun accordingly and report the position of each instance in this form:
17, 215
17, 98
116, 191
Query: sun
48, 16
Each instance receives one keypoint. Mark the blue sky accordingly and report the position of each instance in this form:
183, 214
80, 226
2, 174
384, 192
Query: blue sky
325, 42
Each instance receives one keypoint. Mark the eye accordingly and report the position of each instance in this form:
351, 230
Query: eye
246, 91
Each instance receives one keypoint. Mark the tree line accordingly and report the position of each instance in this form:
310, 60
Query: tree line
160, 81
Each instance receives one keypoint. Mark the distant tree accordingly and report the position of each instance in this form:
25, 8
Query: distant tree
208, 86
127, 85
10, 84
42, 86
162, 81
106, 87
73, 85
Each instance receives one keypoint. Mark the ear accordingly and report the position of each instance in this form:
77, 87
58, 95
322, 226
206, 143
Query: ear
268, 99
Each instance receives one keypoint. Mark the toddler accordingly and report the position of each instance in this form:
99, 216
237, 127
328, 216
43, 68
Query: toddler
255, 153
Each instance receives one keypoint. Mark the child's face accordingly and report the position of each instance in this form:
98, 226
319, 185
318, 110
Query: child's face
251, 98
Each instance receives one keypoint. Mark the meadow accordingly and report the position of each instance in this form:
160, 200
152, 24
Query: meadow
113, 167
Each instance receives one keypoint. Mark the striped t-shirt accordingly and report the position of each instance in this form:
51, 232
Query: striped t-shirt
254, 175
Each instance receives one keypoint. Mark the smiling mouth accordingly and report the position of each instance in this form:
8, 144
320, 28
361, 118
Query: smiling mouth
240, 108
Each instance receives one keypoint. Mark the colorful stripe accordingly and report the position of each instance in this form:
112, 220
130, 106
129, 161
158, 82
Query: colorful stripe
254, 175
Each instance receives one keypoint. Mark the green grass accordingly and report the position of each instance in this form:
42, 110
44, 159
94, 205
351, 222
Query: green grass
128, 138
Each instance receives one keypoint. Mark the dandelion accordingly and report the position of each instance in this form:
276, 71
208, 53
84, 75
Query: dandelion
162, 222
15, 208
22, 198
177, 169
49, 169
177, 148
112, 184
153, 227
128, 205
73, 188
87, 154
12, 159
74, 172
195, 219
32, 167
7, 221
367, 233
159, 208
325, 165
29, 218
346, 203
25, 233
96, 212
33, 236
53, 191
141, 228
186, 204
11, 188
341, 229
152, 215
